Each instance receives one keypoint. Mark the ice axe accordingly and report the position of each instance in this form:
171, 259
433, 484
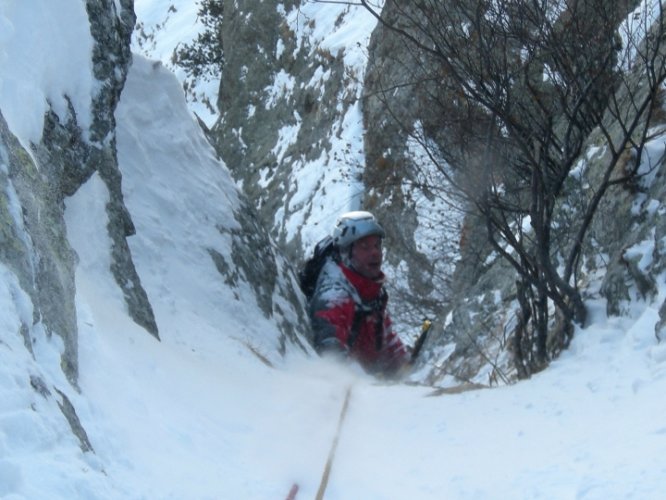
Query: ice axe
418, 345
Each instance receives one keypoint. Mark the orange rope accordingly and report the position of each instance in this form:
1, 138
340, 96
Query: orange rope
331, 455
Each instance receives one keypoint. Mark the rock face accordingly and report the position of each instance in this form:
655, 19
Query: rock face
289, 80
36, 178
37, 258
280, 82
404, 188
623, 259
111, 58
437, 257
257, 261
36, 247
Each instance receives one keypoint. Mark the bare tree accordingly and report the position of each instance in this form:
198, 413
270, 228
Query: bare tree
535, 78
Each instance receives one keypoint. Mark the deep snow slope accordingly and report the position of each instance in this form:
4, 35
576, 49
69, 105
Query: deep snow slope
187, 209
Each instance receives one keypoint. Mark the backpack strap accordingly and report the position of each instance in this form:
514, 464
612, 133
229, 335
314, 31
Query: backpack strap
361, 312
309, 274
359, 316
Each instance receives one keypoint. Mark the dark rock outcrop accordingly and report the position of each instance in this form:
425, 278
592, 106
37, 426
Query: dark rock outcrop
35, 245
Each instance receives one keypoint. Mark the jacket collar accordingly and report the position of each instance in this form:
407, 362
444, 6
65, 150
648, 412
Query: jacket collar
368, 289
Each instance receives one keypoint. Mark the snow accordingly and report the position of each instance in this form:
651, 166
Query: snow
168, 25
330, 184
197, 416
644, 15
35, 72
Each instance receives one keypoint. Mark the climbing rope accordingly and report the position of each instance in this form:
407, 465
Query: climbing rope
331, 454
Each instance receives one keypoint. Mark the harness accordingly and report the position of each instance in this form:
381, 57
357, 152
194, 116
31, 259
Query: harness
364, 309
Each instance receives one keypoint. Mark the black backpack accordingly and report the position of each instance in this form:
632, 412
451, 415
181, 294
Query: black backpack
307, 276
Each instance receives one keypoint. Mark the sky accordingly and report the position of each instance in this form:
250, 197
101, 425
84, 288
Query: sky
198, 416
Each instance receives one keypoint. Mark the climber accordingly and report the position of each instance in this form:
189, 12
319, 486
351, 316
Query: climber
348, 307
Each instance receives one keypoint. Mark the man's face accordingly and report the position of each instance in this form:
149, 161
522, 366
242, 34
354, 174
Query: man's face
366, 256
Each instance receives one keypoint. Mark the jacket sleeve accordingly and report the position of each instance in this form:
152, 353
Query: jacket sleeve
331, 324
331, 311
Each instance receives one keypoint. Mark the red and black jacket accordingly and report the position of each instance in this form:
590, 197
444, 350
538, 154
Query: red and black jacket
349, 315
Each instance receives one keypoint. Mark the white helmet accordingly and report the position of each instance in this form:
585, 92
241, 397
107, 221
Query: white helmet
353, 226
